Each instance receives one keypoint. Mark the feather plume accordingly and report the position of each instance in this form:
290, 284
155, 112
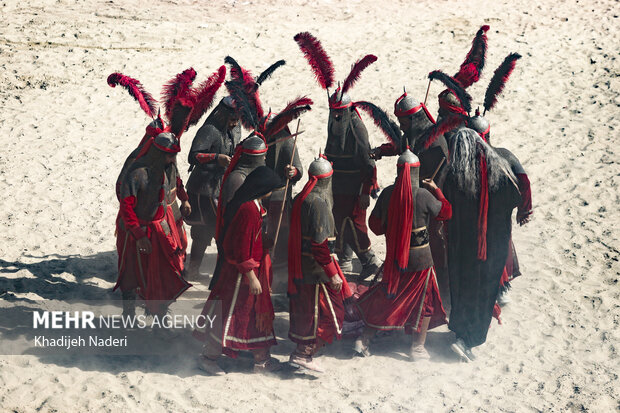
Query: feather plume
454, 86
319, 61
147, 103
499, 79
383, 122
266, 74
472, 66
176, 88
446, 124
179, 116
239, 74
356, 71
246, 112
236, 72
203, 95
292, 111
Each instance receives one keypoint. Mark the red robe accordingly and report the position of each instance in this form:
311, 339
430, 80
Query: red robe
242, 252
417, 293
156, 277
317, 311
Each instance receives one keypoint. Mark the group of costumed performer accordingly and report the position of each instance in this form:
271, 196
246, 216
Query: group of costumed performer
234, 198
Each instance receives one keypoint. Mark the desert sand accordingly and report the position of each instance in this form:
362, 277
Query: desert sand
66, 134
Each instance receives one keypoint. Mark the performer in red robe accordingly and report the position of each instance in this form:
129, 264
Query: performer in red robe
408, 296
149, 245
316, 288
241, 280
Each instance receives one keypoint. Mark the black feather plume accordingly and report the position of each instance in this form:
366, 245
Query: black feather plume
499, 79
235, 69
383, 121
244, 108
268, 72
454, 86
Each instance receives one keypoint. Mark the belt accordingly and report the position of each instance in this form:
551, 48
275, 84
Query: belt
419, 238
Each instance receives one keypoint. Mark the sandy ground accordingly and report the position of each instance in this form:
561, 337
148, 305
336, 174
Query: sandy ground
66, 134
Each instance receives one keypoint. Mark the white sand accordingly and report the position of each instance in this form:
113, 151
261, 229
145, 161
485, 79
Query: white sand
66, 134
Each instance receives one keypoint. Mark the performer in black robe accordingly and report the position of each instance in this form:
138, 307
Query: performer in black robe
483, 192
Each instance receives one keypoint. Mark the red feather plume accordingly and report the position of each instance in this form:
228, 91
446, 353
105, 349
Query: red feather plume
292, 111
177, 87
136, 90
499, 79
445, 125
203, 95
319, 61
356, 71
472, 66
179, 116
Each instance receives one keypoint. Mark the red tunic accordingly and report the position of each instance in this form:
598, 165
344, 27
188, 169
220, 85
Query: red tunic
417, 298
417, 293
242, 252
155, 276
317, 311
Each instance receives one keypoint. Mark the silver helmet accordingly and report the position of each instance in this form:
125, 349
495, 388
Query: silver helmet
319, 166
254, 143
408, 157
480, 124
404, 104
339, 99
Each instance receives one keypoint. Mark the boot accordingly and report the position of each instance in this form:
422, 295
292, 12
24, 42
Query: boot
192, 272
345, 259
129, 303
370, 264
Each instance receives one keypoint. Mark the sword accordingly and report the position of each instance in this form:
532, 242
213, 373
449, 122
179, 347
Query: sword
294, 135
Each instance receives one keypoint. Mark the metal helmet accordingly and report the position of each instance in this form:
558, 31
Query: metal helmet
228, 102
408, 157
414, 167
480, 124
319, 166
339, 100
406, 105
157, 123
254, 143
167, 142
450, 103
